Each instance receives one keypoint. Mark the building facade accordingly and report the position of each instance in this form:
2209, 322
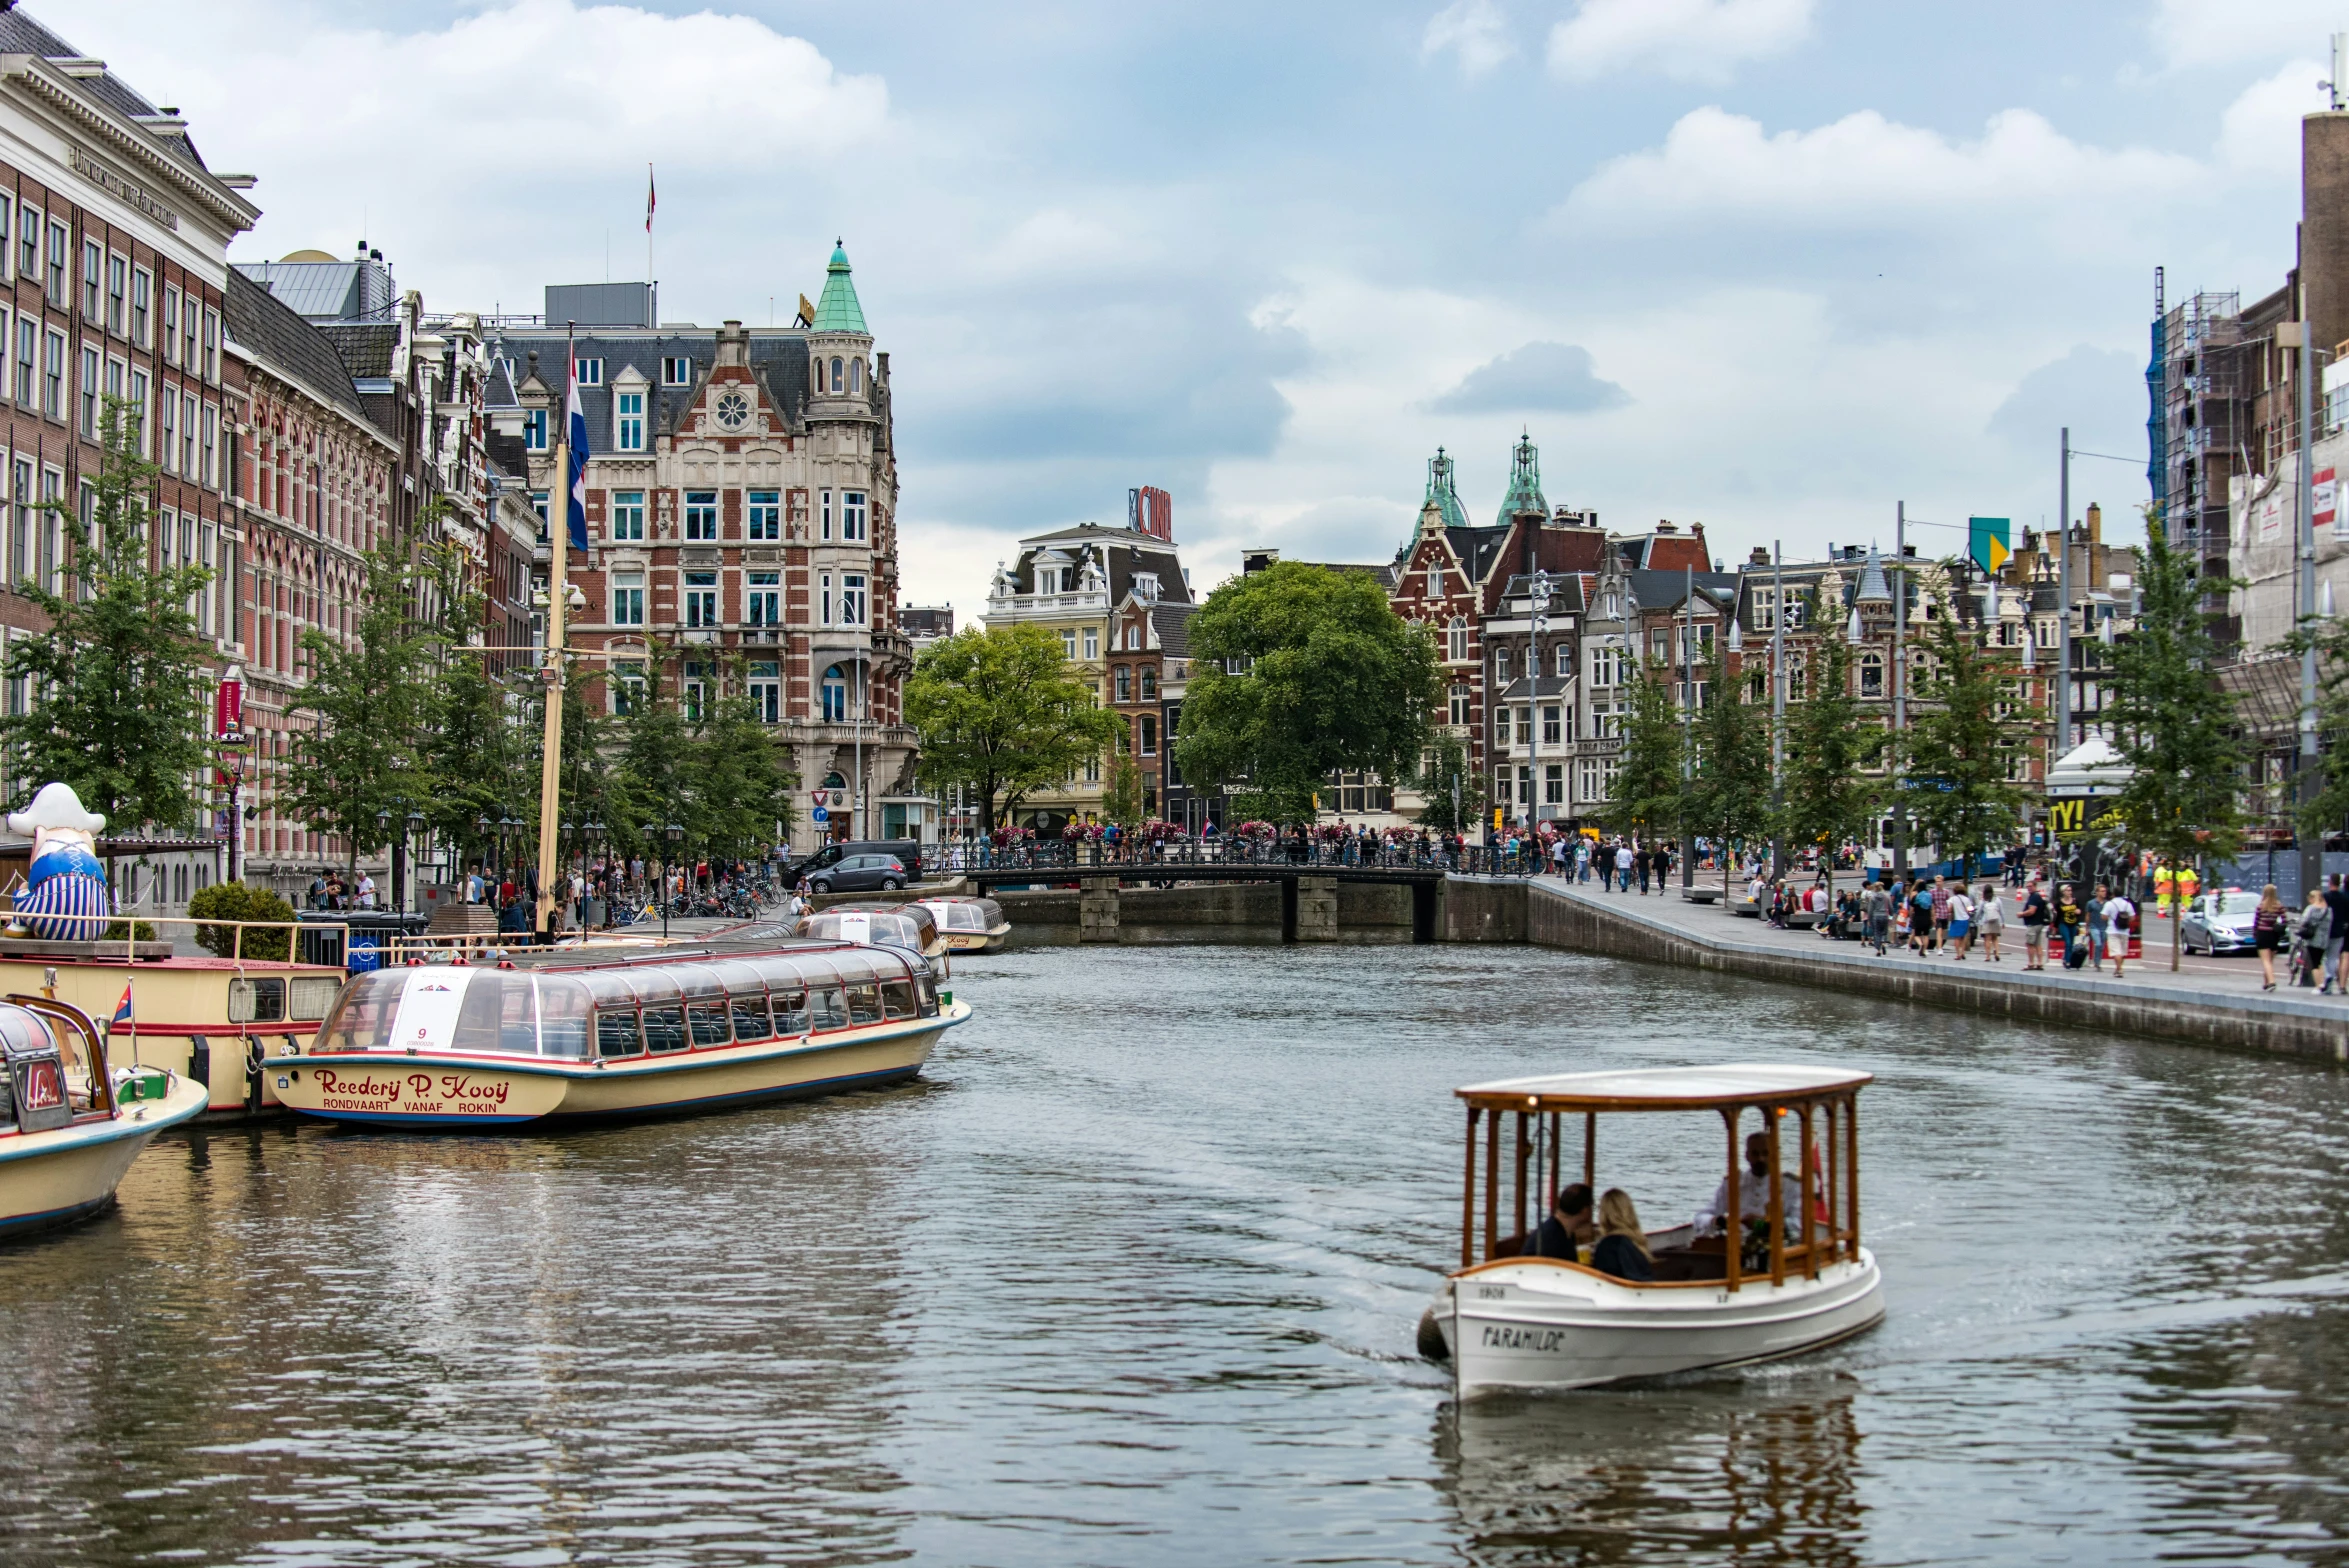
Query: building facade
741, 499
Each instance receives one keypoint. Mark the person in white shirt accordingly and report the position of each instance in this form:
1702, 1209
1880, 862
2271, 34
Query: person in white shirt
1623, 866
2120, 917
366, 891
1753, 1192
1961, 923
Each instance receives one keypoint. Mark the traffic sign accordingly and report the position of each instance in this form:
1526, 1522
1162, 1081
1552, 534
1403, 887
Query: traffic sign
820, 815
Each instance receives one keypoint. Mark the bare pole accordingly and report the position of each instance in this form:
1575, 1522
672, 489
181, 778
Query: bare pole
1777, 707
1687, 719
1900, 680
2063, 646
2312, 846
558, 584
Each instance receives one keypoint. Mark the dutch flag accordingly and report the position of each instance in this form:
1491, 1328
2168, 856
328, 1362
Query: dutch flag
575, 458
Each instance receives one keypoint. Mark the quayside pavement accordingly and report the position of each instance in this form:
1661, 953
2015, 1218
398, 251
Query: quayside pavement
2214, 1001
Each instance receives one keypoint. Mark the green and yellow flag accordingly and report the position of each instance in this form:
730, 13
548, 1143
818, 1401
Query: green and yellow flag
1986, 542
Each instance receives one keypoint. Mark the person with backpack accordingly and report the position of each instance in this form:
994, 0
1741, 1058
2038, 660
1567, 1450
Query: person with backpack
2120, 918
2309, 936
2035, 913
1989, 920
2267, 933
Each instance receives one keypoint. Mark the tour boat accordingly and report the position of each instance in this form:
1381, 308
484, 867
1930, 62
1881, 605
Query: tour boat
550, 1037
970, 925
899, 925
1797, 1282
71, 1127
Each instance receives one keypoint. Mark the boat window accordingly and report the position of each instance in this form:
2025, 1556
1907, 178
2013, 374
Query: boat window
499, 1015
708, 1020
615, 1033
967, 917
750, 1018
831, 1009
897, 999
664, 1027
25, 1031
362, 1019
562, 1017
864, 1004
791, 1012
928, 988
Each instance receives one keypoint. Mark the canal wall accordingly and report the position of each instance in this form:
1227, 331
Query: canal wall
2270, 1023
1310, 909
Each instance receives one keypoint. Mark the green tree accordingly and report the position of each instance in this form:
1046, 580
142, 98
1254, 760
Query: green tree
363, 754
656, 762
1962, 741
999, 713
1121, 789
739, 790
235, 901
1452, 790
2174, 725
1648, 796
476, 744
1731, 800
1298, 672
120, 676
1828, 796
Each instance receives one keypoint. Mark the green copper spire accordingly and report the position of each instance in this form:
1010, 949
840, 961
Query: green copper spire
1441, 491
1525, 483
838, 310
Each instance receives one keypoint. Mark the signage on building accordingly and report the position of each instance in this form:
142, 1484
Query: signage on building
86, 164
2323, 497
228, 706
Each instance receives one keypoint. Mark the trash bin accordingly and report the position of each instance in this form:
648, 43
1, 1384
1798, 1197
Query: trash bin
372, 930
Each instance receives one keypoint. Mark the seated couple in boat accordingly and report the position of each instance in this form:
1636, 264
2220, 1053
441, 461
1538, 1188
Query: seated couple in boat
1616, 1244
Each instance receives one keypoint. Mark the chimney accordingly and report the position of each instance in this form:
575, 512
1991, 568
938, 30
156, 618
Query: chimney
733, 344
1760, 556
2324, 224
1663, 527
2095, 523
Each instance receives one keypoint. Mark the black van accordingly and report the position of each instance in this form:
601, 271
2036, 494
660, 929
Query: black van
908, 852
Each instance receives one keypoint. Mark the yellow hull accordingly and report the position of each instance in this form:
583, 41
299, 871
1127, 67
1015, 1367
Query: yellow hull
444, 1092
56, 1177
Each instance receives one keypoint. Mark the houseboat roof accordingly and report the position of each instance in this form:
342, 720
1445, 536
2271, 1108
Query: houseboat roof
1664, 1088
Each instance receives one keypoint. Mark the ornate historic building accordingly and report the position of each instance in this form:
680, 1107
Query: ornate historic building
742, 531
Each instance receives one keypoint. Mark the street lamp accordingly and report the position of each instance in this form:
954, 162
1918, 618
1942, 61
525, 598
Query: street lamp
672, 834
415, 836
1533, 711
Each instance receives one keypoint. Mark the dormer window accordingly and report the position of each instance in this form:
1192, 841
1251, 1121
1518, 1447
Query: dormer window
534, 429
677, 372
588, 372
628, 421
1146, 587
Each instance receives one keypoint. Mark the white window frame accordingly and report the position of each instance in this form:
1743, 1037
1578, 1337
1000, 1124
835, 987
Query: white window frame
628, 421
763, 514
852, 515
627, 594
700, 608
534, 423
676, 370
762, 598
627, 517
142, 303
118, 293
588, 372
1092, 640
706, 512
852, 599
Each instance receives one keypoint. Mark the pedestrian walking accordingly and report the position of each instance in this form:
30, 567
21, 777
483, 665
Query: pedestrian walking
1920, 918
2097, 928
2336, 901
2309, 936
1940, 914
1989, 920
2035, 912
1961, 922
1623, 864
1879, 905
2120, 918
2268, 923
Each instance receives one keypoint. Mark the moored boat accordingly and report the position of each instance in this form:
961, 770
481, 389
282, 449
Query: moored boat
970, 925
1725, 1291
899, 925
563, 1036
72, 1126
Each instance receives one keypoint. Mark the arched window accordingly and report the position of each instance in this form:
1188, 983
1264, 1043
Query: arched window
1122, 681
856, 376
835, 696
1149, 684
837, 382
1459, 639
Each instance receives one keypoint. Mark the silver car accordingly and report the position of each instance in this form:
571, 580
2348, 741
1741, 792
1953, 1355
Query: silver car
2219, 922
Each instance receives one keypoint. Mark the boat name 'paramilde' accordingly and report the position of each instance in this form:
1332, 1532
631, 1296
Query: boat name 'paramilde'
453, 1086
1503, 1337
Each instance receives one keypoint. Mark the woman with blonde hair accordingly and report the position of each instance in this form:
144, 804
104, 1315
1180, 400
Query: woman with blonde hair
2267, 932
1623, 1244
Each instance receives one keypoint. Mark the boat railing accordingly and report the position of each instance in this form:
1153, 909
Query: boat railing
134, 938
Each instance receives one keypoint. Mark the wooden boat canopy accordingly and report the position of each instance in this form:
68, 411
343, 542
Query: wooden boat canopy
1665, 1089
655, 1005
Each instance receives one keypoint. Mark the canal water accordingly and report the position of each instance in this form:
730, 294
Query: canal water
1131, 1279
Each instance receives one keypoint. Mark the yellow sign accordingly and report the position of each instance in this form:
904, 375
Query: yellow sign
2068, 816
1496, 819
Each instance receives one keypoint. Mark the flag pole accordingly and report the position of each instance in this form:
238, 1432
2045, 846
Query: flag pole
558, 583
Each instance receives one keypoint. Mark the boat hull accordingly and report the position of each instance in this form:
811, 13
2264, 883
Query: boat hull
49, 1179
1531, 1323
494, 1094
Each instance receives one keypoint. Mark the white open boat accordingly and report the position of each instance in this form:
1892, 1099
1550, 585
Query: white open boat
1793, 1283
561, 1036
970, 925
71, 1127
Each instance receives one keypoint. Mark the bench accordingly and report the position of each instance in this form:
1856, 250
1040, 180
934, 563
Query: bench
1803, 919
1700, 895
1751, 908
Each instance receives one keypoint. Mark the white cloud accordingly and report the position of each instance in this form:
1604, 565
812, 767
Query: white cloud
1688, 40
1475, 30
2223, 32
1865, 169
2260, 131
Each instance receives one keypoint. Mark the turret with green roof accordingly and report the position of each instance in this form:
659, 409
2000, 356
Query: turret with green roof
838, 310
1525, 484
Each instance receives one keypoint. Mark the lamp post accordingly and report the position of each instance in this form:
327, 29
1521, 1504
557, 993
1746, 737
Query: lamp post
383, 824
672, 835
1533, 711
590, 845
415, 835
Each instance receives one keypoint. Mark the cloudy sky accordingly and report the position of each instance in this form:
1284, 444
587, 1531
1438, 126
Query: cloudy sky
1772, 265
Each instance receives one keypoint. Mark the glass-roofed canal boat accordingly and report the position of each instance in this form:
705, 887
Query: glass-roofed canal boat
548, 1037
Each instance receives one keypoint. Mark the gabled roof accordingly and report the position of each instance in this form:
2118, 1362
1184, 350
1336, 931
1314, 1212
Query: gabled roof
286, 343
778, 362
20, 34
1669, 590
366, 348
1172, 622
838, 309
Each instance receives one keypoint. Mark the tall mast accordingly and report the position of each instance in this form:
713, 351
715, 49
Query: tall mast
558, 585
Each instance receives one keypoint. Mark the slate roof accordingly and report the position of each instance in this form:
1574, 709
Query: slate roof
1127, 551
366, 347
1172, 622
507, 454
282, 340
20, 34
1565, 592
1666, 590
778, 359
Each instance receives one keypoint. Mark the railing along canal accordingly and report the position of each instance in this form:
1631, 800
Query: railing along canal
1272, 855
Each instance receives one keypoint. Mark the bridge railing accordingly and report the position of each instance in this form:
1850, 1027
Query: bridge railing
1174, 855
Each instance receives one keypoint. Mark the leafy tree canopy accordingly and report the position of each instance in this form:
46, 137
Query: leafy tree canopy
1298, 672
998, 712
